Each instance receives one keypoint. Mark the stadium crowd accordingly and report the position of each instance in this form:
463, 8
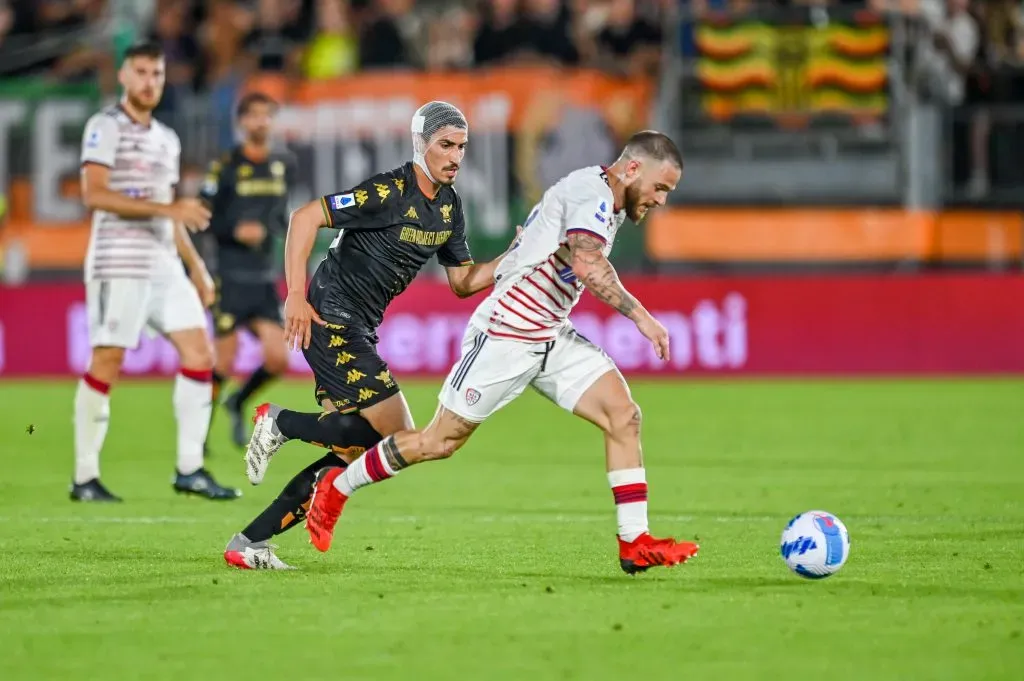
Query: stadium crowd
967, 55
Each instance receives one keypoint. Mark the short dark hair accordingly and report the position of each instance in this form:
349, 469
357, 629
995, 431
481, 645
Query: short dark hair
654, 145
250, 100
145, 49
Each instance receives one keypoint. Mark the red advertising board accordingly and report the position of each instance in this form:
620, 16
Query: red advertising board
838, 325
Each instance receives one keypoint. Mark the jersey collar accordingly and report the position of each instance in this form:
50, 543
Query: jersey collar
604, 176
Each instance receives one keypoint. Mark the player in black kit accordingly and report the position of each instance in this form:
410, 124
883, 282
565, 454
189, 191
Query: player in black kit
247, 193
392, 224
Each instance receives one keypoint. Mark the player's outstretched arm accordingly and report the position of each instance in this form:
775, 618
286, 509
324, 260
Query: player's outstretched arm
592, 267
97, 195
469, 280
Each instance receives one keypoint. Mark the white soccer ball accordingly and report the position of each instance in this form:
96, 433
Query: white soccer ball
815, 544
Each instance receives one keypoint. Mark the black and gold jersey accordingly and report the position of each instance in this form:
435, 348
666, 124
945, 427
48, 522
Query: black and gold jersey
389, 230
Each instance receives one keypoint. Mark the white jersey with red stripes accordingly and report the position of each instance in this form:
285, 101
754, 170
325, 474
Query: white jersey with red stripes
144, 163
535, 288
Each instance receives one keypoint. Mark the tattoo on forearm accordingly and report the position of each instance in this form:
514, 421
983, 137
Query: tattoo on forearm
464, 427
391, 453
601, 279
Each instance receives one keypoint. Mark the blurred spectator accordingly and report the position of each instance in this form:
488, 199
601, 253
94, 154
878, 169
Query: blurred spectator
6, 21
226, 26
498, 37
382, 43
627, 44
222, 36
947, 49
545, 31
276, 42
450, 40
334, 49
80, 32
172, 30
990, 82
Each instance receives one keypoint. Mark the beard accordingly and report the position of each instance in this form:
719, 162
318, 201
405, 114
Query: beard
258, 137
633, 207
141, 102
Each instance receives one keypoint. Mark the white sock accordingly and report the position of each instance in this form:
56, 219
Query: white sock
369, 468
92, 416
629, 487
193, 400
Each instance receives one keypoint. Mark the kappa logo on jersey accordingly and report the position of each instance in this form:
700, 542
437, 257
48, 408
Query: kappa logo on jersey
93, 140
339, 201
472, 396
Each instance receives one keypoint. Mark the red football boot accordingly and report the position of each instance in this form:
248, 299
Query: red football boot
646, 552
324, 508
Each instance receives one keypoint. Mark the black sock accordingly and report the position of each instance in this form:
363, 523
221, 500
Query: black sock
218, 385
257, 380
290, 506
341, 433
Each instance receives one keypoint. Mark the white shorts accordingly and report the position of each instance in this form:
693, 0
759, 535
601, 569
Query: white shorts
119, 309
495, 371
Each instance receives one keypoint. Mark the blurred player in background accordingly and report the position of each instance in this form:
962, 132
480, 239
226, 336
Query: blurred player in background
521, 336
391, 225
247, 193
134, 276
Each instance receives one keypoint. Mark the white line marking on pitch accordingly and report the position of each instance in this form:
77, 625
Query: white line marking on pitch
509, 519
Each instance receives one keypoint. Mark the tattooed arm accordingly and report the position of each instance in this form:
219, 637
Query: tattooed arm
591, 267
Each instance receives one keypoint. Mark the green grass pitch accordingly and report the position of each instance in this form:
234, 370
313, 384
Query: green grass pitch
500, 564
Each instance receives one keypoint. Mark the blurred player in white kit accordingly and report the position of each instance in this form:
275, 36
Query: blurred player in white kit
134, 276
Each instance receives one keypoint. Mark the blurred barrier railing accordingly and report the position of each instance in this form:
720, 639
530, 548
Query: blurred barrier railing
982, 148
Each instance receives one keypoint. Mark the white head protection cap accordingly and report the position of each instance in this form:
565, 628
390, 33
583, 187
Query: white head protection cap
427, 121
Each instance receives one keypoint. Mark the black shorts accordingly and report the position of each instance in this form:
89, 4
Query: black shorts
347, 368
240, 304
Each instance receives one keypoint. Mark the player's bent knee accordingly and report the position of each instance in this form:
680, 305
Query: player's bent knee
196, 352
624, 420
105, 363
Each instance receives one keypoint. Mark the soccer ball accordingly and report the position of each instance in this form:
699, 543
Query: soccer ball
815, 544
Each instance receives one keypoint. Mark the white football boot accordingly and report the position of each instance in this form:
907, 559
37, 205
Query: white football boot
265, 441
248, 555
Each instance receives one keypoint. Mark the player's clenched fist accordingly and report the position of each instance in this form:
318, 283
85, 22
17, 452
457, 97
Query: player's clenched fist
191, 213
297, 317
654, 331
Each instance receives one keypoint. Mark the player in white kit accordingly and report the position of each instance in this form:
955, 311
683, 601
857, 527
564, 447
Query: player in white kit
134, 276
521, 336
